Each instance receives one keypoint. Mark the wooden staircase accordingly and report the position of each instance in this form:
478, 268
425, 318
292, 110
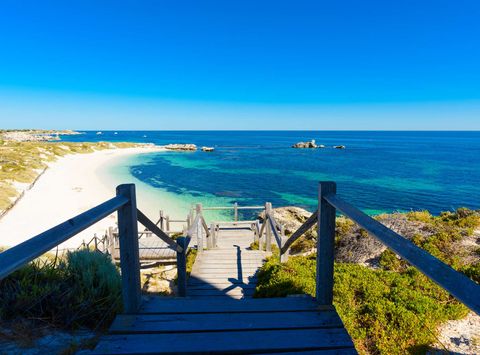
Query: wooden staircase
220, 316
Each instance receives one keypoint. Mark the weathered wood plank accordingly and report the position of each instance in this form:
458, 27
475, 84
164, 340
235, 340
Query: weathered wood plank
129, 256
325, 244
172, 323
157, 231
234, 292
309, 223
192, 305
241, 341
219, 280
222, 283
221, 287
182, 267
218, 263
226, 268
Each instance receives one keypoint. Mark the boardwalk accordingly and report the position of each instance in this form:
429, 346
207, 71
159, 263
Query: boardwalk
220, 316
228, 270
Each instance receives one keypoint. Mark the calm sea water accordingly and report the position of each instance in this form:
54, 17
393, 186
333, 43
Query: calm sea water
378, 172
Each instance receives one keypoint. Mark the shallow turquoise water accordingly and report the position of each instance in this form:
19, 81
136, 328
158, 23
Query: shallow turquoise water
378, 172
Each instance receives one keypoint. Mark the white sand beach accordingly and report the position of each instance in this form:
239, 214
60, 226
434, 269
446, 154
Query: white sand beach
69, 186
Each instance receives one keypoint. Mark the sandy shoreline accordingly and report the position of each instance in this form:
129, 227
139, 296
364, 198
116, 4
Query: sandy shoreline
68, 187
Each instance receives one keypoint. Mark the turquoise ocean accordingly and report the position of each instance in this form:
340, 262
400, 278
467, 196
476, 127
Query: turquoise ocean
378, 171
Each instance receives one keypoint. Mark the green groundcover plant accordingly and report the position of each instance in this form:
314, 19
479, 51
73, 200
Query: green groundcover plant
81, 289
385, 312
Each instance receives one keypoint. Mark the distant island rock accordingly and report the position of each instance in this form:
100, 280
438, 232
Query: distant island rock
208, 149
339, 147
310, 144
185, 147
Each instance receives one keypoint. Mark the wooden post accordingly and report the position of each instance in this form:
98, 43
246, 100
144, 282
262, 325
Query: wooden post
256, 238
268, 227
111, 242
261, 241
95, 241
161, 220
189, 219
198, 229
211, 239
235, 212
182, 268
325, 244
284, 257
167, 225
129, 258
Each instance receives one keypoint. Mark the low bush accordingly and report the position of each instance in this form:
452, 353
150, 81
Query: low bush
385, 312
83, 289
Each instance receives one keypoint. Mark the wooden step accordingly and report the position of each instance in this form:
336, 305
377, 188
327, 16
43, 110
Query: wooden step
222, 283
249, 341
154, 323
220, 287
192, 305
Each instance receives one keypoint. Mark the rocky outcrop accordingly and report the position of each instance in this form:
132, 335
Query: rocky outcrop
184, 147
339, 147
310, 144
208, 149
353, 244
290, 217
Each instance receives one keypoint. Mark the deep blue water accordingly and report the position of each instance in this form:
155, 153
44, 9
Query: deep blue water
378, 172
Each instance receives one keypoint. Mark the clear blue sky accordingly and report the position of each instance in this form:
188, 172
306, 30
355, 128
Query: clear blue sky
240, 64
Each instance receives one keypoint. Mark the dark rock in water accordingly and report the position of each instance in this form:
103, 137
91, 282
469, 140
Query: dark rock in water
310, 144
339, 147
187, 147
208, 149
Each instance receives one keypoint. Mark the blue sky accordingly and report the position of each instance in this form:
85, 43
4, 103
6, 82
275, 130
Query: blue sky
240, 64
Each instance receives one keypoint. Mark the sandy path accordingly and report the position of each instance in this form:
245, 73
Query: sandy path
70, 186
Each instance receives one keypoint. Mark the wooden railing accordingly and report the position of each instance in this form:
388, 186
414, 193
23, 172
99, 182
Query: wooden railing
124, 203
197, 228
236, 208
457, 284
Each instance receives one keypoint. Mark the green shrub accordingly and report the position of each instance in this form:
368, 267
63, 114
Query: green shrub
83, 289
472, 271
384, 312
96, 286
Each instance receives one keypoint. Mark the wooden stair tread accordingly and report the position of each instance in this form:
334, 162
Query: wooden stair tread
192, 305
226, 342
172, 323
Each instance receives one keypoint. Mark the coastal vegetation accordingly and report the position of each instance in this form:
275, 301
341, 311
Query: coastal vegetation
79, 290
387, 306
21, 162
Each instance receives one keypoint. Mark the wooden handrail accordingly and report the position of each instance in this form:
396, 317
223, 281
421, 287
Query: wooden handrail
457, 284
275, 228
233, 207
145, 231
193, 228
14, 258
157, 231
309, 223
